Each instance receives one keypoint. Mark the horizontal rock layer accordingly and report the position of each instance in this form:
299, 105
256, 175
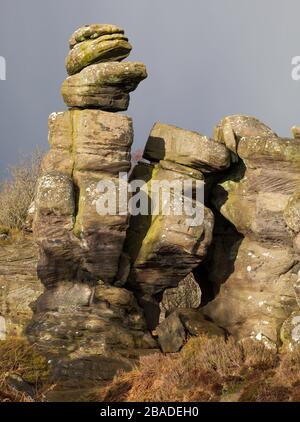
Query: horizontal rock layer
91, 32
105, 48
104, 85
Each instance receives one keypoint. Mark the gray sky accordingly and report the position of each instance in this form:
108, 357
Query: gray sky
205, 59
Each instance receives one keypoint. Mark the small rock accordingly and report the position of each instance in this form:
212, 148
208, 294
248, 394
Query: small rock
171, 334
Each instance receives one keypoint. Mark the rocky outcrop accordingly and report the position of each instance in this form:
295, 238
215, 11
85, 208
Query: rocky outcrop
208, 242
258, 197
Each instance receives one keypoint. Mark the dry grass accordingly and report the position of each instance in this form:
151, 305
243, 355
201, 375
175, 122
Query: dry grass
17, 193
207, 369
210, 369
20, 360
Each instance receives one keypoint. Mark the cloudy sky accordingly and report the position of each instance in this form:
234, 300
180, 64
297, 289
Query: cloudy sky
206, 59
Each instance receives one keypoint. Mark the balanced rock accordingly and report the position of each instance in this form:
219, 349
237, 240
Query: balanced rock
88, 141
89, 341
103, 85
167, 142
96, 44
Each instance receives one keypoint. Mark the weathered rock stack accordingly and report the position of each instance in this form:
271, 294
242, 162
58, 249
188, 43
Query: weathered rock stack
81, 320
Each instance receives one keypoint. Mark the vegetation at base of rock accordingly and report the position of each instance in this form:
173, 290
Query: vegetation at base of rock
17, 192
20, 359
209, 369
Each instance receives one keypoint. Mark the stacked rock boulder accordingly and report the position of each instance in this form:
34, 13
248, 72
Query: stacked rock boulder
88, 327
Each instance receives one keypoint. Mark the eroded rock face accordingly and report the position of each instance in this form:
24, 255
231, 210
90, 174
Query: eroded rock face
77, 242
104, 277
258, 197
164, 248
19, 285
258, 295
104, 85
89, 334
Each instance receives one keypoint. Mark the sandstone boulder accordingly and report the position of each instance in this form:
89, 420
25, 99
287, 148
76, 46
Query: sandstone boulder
232, 129
253, 285
19, 285
171, 334
167, 246
93, 340
88, 141
167, 142
91, 32
105, 48
104, 85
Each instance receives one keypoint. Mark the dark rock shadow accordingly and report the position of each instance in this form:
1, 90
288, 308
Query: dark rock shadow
220, 260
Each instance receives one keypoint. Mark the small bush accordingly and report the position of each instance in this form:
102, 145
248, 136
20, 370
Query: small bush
17, 193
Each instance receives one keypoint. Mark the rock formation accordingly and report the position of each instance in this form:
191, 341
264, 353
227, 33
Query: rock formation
85, 324
256, 270
109, 278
